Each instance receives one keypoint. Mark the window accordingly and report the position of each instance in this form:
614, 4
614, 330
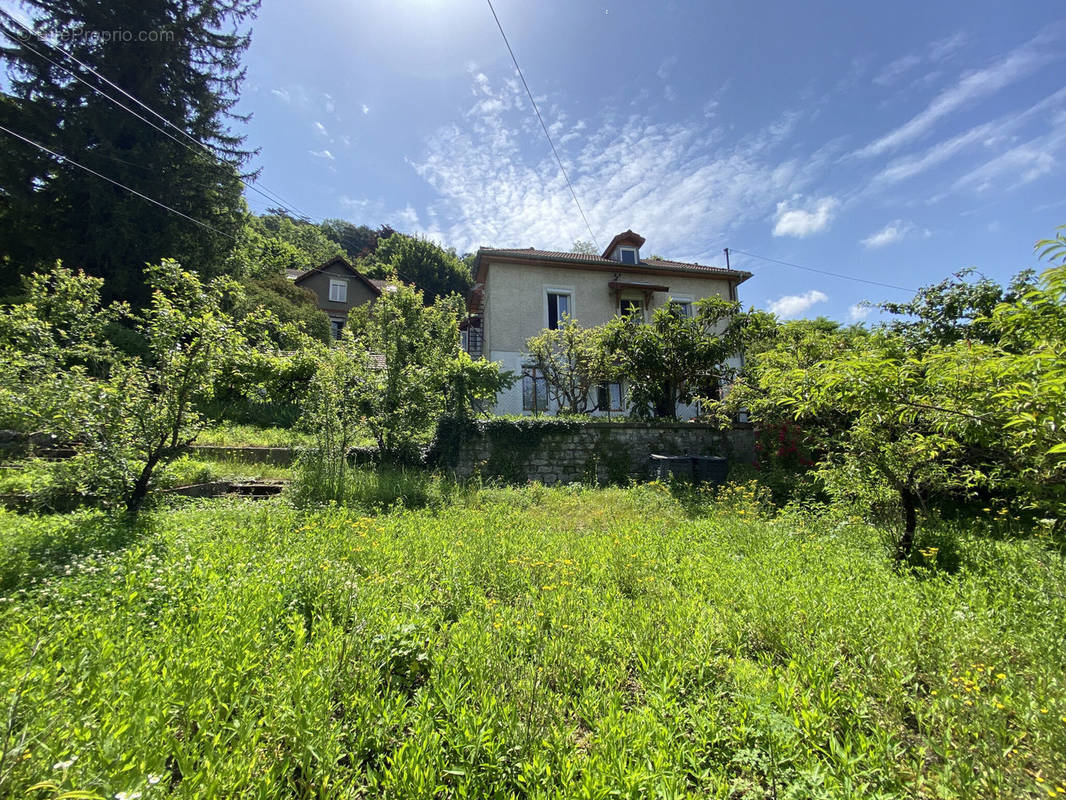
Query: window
683, 305
335, 327
534, 389
609, 397
338, 291
558, 305
631, 306
628, 255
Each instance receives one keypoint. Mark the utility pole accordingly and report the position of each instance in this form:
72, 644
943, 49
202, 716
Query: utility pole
727, 258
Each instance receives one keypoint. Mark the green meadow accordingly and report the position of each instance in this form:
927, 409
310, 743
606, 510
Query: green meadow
586, 643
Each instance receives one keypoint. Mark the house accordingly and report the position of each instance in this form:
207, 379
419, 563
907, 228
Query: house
338, 287
517, 293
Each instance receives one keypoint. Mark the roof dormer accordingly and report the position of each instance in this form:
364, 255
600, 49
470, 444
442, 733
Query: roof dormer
625, 248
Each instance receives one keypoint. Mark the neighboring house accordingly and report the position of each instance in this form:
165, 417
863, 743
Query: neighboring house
518, 293
338, 287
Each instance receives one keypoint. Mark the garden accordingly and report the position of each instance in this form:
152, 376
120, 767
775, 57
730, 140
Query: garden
527, 642
872, 608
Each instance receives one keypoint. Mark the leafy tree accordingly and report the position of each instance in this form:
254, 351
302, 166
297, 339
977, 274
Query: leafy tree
190, 73
287, 303
127, 416
435, 271
1054, 249
272, 243
334, 415
411, 377
909, 415
676, 358
584, 247
357, 241
893, 423
573, 360
471, 385
953, 309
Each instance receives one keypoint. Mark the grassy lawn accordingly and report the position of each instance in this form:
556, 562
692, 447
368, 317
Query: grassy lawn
524, 643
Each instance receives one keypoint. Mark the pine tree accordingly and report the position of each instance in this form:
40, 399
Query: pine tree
182, 58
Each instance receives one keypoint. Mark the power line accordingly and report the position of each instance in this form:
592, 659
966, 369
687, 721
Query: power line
542, 125
824, 272
116, 183
265, 192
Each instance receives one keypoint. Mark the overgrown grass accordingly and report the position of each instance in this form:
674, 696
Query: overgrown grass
42, 478
231, 434
372, 488
530, 643
189, 469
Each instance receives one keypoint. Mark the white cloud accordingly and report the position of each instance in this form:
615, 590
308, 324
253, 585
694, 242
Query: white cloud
801, 222
664, 68
366, 108
678, 182
972, 86
895, 231
858, 312
947, 47
897, 69
936, 51
326, 154
1020, 165
793, 305
329, 104
321, 128
987, 134
295, 96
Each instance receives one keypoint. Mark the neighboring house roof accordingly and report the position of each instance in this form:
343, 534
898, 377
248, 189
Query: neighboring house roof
383, 285
587, 261
341, 261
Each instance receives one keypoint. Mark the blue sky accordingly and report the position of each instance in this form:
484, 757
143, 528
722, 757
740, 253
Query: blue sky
896, 142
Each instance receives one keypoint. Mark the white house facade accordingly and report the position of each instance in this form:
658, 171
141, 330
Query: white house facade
517, 293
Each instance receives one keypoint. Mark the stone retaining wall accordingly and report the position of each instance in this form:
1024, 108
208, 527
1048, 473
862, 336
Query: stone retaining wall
609, 452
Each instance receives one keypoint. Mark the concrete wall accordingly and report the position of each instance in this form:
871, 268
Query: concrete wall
613, 452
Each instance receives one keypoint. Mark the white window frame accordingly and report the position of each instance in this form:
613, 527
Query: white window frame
568, 291
684, 298
611, 408
340, 285
534, 375
629, 249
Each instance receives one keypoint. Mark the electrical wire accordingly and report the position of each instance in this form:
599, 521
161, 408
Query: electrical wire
264, 191
824, 272
542, 125
114, 182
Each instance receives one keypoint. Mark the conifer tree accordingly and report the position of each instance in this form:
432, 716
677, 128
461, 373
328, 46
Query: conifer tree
182, 58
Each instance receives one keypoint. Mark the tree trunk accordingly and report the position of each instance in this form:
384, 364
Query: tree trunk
140, 488
909, 502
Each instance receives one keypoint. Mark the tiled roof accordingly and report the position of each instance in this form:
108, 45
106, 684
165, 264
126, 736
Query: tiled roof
381, 284
586, 258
